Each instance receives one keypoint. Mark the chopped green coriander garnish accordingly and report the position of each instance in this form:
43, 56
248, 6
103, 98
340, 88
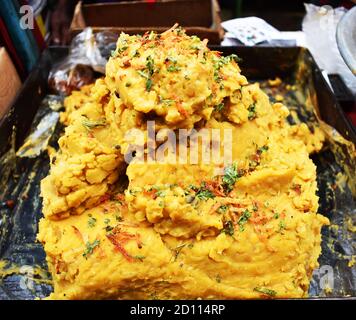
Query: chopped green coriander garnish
177, 250
91, 222
173, 68
252, 111
223, 208
150, 65
234, 57
219, 107
139, 257
282, 225
122, 49
265, 291
89, 125
243, 219
90, 248
142, 74
262, 149
231, 175
148, 85
108, 228
118, 218
205, 194
228, 228
147, 75
160, 193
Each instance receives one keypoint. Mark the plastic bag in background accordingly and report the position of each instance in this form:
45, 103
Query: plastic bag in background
319, 26
88, 53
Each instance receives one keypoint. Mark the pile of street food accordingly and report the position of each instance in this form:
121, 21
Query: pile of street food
122, 223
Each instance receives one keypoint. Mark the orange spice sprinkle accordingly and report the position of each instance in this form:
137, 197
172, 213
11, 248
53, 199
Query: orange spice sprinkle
78, 233
119, 238
214, 207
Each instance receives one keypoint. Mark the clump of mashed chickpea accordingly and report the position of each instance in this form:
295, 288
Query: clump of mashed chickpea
148, 230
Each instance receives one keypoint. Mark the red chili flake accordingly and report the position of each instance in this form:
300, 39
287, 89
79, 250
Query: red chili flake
181, 184
260, 232
105, 99
215, 187
120, 197
297, 188
126, 63
104, 198
259, 218
150, 193
215, 207
10, 204
236, 205
256, 157
78, 233
181, 110
118, 238
59, 265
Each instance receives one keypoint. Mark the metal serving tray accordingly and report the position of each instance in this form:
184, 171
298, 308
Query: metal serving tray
23, 271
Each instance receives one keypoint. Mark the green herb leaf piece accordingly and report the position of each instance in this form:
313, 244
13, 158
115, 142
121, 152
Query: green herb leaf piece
90, 248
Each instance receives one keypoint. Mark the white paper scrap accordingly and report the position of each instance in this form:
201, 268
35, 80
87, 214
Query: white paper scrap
250, 30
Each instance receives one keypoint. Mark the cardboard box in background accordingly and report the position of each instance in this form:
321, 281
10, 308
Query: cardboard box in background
199, 17
10, 82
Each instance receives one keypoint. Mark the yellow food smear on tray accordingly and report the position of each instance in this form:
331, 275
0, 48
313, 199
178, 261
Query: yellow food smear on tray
179, 230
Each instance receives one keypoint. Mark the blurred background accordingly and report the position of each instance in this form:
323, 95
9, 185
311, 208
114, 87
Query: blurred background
54, 20
284, 15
